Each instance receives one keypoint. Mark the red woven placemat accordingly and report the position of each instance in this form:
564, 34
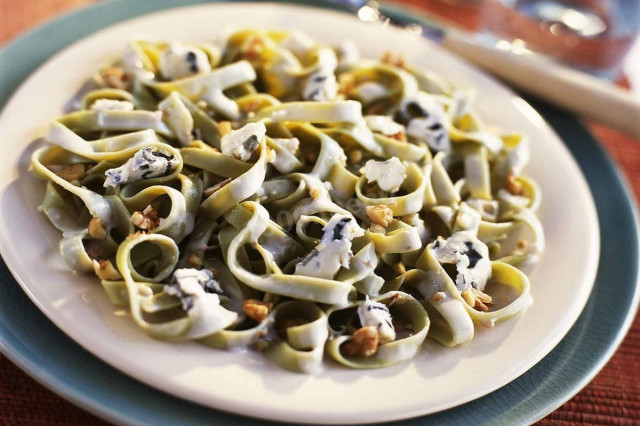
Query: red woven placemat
612, 398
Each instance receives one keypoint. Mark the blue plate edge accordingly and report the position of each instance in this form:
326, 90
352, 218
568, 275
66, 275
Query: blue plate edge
47, 380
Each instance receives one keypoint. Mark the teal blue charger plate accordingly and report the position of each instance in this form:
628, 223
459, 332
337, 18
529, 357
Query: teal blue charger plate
32, 342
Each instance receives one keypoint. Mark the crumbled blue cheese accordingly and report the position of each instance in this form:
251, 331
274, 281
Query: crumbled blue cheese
145, 164
111, 105
199, 293
190, 283
180, 60
426, 121
430, 130
320, 86
388, 174
383, 124
470, 255
243, 142
376, 314
334, 249
290, 144
177, 117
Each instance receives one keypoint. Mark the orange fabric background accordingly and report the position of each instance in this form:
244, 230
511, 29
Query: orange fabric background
613, 397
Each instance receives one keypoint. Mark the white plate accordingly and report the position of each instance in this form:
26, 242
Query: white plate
247, 383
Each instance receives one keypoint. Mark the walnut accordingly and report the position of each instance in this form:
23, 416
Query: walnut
105, 270
253, 48
115, 78
194, 261
315, 193
380, 215
355, 156
400, 136
438, 297
96, 229
513, 185
147, 219
477, 299
394, 59
72, 172
256, 309
364, 342
224, 127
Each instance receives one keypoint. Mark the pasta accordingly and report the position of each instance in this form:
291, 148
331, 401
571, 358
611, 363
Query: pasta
280, 194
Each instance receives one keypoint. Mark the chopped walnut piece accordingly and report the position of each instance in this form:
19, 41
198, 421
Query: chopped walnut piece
355, 156
400, 136
105, 270
256, 309
364, 342
513, 185
147, 219
315, 193
115, 78
224, 127
392, 300
209, 191
394, 59
438, 297
72, 172
477, 299
252, 50
380, 215
194, 261
96, 228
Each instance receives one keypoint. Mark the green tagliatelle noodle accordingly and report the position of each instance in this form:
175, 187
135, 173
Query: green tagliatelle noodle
283, 195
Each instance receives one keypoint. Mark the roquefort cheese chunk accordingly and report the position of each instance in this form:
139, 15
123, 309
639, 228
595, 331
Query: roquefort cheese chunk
388, 174
376, 314
243, 142
145, 164
334, 249
469, 254
181, 60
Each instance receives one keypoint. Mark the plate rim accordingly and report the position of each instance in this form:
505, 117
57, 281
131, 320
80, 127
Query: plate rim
33, 34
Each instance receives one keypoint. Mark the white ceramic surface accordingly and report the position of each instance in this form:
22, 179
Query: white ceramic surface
247, 383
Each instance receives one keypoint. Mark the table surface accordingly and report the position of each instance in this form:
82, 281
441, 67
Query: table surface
613, 397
